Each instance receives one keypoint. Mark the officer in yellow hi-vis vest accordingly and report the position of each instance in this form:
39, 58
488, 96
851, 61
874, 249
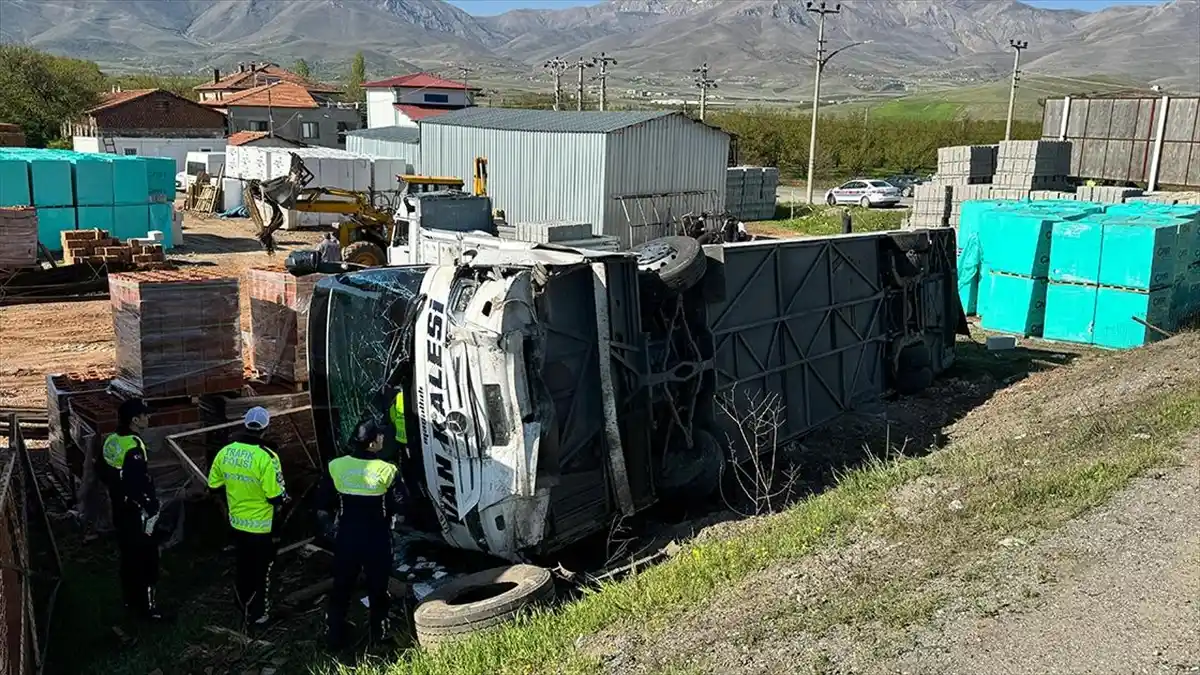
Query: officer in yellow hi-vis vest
248, 470
359, 489
134, 508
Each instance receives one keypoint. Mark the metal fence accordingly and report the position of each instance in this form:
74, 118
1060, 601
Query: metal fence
30, 568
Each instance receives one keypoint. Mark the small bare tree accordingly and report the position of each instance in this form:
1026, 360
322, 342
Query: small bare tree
758, 422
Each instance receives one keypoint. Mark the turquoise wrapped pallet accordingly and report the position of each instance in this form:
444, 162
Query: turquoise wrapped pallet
1070, 312
93, 181
52, 221
1015, 304
14, 182
1018, 243
1115, 309
1137, 254
1075, 251
130, 221
1184, 211
161, 215
94, 218
1064, 209
131, 181
1185, 248
50, 182
160, 178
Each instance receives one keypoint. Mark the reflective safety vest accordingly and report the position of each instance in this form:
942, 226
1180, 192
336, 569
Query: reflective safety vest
116, 446
251, 475
362, 477
397, 415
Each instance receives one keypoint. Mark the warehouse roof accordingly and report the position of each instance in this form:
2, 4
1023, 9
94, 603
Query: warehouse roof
397, 133
517, 119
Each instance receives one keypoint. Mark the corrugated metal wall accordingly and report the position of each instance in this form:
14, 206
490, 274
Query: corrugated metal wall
410, 152
532, 175
680, 161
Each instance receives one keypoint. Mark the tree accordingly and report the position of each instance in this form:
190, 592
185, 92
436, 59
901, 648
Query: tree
39, 91
358, 75
301, 68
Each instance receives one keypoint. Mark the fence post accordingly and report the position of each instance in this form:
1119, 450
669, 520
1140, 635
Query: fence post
1156, 159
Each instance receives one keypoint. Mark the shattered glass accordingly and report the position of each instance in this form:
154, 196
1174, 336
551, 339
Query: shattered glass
360, 350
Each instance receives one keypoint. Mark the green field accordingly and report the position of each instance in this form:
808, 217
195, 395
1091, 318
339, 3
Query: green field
987, 101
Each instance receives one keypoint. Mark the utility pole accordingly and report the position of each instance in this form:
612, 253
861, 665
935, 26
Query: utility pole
603, 60
557, 66
581, 65
1018, 46
821, 10
705, 83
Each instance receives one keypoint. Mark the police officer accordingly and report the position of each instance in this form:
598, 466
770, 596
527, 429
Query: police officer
248, 470
396, 413
360, 489
134, 508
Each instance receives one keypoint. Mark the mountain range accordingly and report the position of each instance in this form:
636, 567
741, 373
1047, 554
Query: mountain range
755, 47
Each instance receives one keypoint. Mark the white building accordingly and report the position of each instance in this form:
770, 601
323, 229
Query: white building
407, 99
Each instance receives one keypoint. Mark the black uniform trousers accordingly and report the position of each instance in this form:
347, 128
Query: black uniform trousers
255, 555
138, 555
367, 550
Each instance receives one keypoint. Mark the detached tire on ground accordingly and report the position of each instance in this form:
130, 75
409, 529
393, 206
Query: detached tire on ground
480, 601
913, 371
678, 262
364, 253
696, 472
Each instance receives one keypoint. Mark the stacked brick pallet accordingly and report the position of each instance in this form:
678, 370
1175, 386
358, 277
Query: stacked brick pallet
967, 164
931, 205
66, 461
279, 304
97, 247
1033, 165
178, 333
1106, 194
18, 238
750, 192
128, 196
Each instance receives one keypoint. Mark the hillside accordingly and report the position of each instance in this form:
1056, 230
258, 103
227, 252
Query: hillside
754, 46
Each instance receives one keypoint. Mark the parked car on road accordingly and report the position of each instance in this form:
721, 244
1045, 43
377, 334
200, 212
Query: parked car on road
905, 182
864, 192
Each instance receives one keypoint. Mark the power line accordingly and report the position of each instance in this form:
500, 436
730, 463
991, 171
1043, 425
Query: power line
705, 83
557, 66
1018, 46
581, 65
821, 11
603, 60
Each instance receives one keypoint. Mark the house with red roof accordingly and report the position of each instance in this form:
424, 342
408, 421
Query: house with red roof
147, 122
289, 110
405, 100
252, 75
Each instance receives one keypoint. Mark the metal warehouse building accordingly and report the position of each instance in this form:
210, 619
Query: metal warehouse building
395, 142
628, 174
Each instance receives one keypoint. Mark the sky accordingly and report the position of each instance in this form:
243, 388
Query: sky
489, 7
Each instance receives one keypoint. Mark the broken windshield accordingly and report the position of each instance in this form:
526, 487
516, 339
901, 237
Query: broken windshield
360, 344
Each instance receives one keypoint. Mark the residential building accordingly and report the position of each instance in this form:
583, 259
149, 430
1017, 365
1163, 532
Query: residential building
148, 122
408, 99
291, 111
629, 174
251, 75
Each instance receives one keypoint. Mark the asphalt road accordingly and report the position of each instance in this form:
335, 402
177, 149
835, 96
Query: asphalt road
787, 193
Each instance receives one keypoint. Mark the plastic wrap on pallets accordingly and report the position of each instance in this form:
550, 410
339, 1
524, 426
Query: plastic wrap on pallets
279, 305
1054, 195
18, 238
177, 333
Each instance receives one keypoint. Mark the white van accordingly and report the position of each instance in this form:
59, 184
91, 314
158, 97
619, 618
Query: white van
197, 162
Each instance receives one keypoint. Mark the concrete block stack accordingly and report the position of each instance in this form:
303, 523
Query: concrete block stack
279, 305
178, 333
559, 233
965, 193
128, 196
931, 205
750, 192
1051, 195
97, 247
18, 238
1106, 194
967, 164
1033, 165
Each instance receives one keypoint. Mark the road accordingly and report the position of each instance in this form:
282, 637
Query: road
788, 193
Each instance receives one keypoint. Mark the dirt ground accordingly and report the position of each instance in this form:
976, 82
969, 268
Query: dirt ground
58, 337
1116, 590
